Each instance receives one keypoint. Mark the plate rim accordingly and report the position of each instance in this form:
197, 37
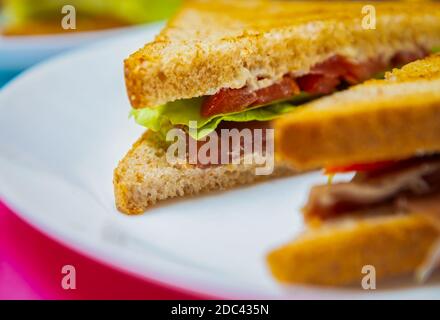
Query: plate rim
82, 247
88, 250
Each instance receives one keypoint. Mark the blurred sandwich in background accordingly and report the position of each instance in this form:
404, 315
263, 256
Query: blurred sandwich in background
30, 17
387, 132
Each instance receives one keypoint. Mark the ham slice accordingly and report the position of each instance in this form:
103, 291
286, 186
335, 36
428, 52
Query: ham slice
413, 177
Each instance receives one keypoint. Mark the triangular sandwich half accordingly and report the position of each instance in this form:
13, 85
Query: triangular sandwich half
244, 63
387, 217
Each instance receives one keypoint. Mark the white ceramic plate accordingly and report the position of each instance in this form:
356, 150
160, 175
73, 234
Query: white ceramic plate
63, 127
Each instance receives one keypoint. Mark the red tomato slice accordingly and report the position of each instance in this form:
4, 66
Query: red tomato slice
360, 167
234, 100
227, 100
323, 78
333, 67
405, 57
286, 88
318, 83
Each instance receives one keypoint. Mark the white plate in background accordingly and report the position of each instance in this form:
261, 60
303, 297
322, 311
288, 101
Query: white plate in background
64, 126
20, 52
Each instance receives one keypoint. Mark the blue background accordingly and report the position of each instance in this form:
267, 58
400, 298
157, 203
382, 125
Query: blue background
6, 76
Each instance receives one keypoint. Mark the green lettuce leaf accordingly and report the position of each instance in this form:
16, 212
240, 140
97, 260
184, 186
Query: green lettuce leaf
436, 50
181, 112
130, 11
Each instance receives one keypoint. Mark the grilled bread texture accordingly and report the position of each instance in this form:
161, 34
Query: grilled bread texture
209, 45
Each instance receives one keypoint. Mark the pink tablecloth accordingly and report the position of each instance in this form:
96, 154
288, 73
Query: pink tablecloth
30, 268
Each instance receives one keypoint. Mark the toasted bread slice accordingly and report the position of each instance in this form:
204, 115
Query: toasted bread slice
336, 253
390, 119
427, 69
145, 177
209, 45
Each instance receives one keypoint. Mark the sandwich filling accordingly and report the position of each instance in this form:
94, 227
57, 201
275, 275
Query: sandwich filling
268, 103
406, 185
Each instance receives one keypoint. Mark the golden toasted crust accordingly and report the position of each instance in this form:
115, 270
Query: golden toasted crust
428, 69
395, 118
229, 44
335, 254
145, 177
